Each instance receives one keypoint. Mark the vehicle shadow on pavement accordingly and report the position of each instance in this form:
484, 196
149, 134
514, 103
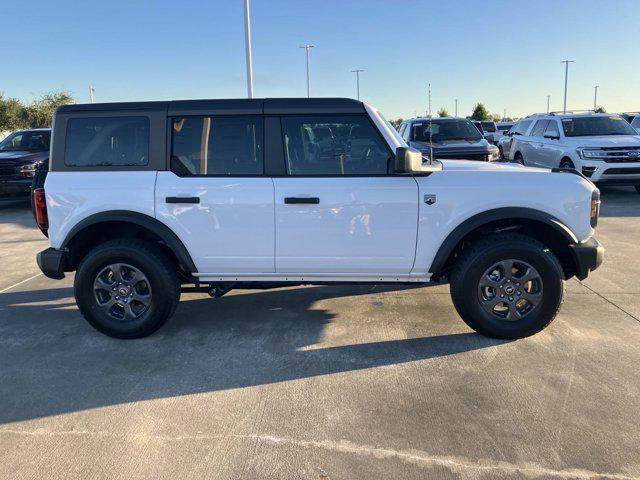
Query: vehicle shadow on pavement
619, 202
52, 362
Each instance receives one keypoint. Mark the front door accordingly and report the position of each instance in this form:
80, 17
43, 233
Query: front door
339, 210
216, 197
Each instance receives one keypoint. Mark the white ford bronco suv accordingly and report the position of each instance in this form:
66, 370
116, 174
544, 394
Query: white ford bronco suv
145, 200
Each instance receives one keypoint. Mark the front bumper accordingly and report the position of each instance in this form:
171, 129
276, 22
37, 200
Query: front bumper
51, 262
18, 187
610, 173
587, 256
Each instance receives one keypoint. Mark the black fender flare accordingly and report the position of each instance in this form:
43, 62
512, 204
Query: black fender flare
145, 221
483, 218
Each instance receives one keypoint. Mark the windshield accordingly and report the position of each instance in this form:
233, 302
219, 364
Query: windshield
594, 126
442, 131
30, 141
488, 126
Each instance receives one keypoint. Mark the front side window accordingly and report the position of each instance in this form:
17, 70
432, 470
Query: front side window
538, 128
334, 145
552, 129
107, 141
522, 127
444, 130
595, 126
230, 145
31, 141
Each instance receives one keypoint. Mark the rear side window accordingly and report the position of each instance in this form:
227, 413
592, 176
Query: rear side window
107, 141
230, 145
334, 145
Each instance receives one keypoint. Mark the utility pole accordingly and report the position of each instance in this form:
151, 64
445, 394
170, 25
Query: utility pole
566, 76
429, 101
357, 72
307, 48
504, 115
247, 42
548, 97
595, 97
91, 92
456, 114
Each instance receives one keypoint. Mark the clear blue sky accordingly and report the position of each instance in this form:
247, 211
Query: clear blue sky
504, 53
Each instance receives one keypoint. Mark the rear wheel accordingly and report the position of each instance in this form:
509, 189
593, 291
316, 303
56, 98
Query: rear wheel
507, 286
127, 288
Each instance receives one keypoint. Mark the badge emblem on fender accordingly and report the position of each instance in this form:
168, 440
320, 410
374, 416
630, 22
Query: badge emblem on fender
429, 199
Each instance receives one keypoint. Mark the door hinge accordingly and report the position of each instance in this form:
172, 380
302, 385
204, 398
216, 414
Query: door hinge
429, 199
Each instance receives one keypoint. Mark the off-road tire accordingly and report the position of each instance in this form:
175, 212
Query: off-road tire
149, 259
480, 256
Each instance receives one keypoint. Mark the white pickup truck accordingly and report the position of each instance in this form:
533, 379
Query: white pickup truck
145, 200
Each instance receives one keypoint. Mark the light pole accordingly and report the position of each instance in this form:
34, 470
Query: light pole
595, 97
357, 72
247, 41
548, 97
91, 92
566, 76
429, 100
504, 115
307, 48
456, 114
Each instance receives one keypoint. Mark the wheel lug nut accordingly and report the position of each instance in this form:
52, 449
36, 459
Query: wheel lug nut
501, 296
510, 299
117, 297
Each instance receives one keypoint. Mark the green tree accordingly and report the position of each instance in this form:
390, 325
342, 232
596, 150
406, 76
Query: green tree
600, 109
11, 114
396, 123
39, 113
443, 113
479, 112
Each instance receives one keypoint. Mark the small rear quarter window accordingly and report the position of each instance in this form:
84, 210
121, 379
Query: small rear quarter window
107, 141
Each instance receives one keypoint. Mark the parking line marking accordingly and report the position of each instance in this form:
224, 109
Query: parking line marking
20, 283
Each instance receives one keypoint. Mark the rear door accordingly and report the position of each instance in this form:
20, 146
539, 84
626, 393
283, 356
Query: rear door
216, 196
339, 211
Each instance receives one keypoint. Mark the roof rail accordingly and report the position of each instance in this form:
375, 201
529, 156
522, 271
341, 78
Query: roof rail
560, 112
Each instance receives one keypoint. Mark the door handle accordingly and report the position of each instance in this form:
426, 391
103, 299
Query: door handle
182, 199
298, 200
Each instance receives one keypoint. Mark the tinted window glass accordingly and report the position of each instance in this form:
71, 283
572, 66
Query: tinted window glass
593, 126
107, 141
217, 146
334, 145
552, 128
488, 127
539, 127
443, 130
33, 141
636, 122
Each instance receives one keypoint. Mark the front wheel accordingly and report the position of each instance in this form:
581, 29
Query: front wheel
127, 288
507, 286
518, 158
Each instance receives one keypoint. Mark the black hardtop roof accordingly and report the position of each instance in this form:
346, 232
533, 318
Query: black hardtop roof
227, 106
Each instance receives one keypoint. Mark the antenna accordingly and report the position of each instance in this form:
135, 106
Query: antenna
430, 130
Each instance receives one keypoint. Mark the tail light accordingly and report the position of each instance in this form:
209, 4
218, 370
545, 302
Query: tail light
595, 207
40, 208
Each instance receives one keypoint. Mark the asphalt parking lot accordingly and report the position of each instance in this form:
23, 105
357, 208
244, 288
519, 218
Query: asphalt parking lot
321, 382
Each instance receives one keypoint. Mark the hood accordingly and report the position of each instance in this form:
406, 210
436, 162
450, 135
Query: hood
607, 141
466, 165
454, 145
19, 158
